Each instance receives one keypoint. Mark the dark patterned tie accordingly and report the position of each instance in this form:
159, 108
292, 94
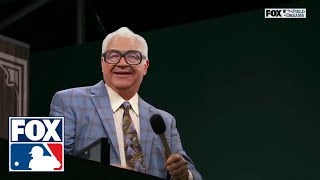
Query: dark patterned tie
132, 148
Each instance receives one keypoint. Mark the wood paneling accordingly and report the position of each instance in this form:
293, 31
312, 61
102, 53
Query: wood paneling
14, 78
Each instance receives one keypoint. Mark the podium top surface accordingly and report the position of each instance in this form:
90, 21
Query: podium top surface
75, 167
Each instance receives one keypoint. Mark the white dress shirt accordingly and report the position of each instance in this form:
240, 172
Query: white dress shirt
116, 101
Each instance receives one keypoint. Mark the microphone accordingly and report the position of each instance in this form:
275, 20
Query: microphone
159, 128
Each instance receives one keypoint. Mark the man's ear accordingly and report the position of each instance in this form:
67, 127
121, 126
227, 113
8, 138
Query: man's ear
145, 67
102, 61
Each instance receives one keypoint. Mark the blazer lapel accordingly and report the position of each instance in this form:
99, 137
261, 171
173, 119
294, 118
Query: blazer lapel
146, 132
101, 101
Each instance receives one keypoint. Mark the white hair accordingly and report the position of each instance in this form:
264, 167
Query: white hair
125, 32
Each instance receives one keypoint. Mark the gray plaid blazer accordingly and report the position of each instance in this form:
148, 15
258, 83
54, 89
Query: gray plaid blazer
88, 117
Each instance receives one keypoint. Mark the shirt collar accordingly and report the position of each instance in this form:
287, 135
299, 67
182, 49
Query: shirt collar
116, 100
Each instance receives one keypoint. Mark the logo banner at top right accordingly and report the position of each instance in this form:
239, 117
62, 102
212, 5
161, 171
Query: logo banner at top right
285, 13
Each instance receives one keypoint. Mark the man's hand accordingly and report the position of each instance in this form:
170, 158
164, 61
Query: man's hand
177, 167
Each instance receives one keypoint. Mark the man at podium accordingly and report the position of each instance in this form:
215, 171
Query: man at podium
112, 108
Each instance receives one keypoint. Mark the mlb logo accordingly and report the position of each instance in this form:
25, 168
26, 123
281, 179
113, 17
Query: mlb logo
36, 144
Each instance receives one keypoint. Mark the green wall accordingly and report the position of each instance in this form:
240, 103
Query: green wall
244, 90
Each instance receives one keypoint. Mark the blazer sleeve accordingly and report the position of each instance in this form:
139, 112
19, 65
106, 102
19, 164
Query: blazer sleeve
176, 147
61, 106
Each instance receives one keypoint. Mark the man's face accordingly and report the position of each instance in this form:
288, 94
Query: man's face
121, 77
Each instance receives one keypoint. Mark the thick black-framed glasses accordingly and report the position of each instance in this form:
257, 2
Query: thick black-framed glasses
113, 56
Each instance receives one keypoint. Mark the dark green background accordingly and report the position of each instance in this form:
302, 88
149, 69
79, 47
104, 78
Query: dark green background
244, 90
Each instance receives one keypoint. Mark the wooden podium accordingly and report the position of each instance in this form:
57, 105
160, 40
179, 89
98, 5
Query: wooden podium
74, 167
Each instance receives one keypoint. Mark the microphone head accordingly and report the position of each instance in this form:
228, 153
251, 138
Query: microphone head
157, 124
